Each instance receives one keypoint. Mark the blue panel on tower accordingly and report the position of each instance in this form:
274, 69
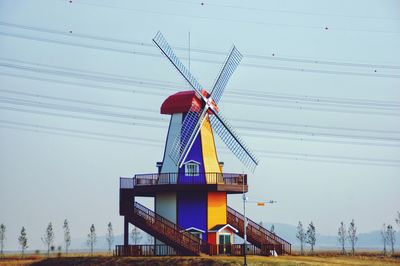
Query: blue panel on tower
194, 155
192, 211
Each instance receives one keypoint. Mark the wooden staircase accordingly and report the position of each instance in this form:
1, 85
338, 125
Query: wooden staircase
256, 234
164, 230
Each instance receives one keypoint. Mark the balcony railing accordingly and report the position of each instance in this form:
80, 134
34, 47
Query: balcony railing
178, 179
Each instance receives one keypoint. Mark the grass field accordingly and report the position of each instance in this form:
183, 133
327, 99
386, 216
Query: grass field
102, 259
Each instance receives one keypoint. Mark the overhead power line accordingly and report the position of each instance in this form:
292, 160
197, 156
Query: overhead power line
163, 122
372, 73
37, 129
92, 86
253, 65
284, 11
257, 123
254, 22
199, 50
30, 111
76, 109
362, 159
163, 84
41, 96
252, 97
157, 143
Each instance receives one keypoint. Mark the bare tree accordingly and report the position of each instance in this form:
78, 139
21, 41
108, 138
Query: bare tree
352, 235
272, 229
391, 237
150, 239
397, 219
310, 236
48, 238
301, 236
384, 238
342, 236
2, 239
135, 235
92, 238
110, 236
23, 241
67, 235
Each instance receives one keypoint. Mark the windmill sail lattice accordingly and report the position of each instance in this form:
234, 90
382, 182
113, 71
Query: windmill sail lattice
160, 41
227, 70
197, 114
233, 141
191, 123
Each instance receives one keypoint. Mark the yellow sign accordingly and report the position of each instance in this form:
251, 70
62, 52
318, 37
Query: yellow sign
260, 203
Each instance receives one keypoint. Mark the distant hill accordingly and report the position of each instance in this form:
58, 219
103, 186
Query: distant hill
371, 240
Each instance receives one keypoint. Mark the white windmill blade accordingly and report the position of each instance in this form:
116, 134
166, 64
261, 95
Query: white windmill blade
162, 43
231, 63
232, 140
190, 128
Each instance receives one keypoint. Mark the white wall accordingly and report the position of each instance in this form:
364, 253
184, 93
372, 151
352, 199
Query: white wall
174, 131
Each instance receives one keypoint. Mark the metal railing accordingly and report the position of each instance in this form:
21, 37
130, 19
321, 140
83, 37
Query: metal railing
256, 234
178, 179
145, 250
210, 249
158, 224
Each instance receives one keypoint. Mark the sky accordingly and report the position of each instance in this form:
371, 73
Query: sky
316, 97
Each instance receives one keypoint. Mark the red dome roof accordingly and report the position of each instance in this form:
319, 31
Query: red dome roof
180, 102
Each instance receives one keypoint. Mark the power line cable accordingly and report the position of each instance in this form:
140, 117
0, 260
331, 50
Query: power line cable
153, 111
38, 130
149, 110
148, 142
30, 111
248, 94
160, 87
315, 159
147, 118
258, 9
363, 159
79, 109
308, 126
191, 16
164, 127
305, 139
259, 66
199, 50
75, 131
92, 86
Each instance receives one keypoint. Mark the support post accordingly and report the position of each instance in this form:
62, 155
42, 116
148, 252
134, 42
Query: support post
126, 232
245, 227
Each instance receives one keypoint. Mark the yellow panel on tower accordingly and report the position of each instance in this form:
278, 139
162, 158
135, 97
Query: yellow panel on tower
216, 209
210, 159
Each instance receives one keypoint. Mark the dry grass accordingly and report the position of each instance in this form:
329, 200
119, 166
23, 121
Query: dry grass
103, 259
16, 260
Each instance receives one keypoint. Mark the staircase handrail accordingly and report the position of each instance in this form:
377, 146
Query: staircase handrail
182, 237
254, 226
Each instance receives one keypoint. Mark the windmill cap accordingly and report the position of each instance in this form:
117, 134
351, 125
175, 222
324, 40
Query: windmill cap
180, 102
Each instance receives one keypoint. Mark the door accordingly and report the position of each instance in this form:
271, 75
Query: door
224, 244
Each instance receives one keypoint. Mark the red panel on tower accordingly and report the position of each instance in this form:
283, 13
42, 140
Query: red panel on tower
180, 102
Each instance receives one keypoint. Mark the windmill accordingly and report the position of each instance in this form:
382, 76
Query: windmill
190, 189
190, 149
198, 114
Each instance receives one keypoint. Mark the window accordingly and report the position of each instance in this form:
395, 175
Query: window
224, 239
198, 234
192, 169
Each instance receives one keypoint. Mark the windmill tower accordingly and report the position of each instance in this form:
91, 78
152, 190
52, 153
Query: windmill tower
190, 148
190, 189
